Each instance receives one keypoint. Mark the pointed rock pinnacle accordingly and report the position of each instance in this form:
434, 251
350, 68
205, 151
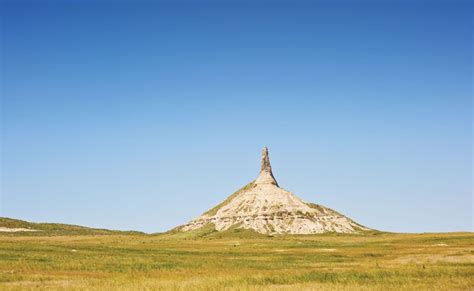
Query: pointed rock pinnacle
266, 175
266, 167
264, 207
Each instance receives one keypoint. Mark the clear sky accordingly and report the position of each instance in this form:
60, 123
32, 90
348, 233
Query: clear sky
143, 115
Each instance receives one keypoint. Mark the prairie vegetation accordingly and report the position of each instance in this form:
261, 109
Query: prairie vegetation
235, 259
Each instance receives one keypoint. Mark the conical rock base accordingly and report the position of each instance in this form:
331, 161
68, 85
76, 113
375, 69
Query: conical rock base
268, 209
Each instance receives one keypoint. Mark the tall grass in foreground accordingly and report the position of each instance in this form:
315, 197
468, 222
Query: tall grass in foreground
238, 260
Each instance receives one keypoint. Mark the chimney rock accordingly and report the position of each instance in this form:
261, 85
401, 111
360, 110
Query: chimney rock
266, 175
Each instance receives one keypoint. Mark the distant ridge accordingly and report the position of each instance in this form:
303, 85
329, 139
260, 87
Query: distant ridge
13, 226
266, 208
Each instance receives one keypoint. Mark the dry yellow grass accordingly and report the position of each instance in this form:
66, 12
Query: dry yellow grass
238, 260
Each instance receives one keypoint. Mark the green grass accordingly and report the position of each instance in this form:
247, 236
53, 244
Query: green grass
49, 229
237, 259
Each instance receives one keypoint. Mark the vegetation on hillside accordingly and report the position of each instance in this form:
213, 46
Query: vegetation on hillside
42, 229
324, 209
214, 210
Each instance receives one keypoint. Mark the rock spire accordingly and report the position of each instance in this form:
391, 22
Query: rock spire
266, 175
264, 207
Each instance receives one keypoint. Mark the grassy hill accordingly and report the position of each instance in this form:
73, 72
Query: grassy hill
73, 257
41, 229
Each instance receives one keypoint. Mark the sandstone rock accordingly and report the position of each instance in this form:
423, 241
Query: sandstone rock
266, 175
266, 208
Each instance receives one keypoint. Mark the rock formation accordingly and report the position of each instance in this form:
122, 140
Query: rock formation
266, 208
266, 175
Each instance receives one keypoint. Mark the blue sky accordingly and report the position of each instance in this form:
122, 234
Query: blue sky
142, 115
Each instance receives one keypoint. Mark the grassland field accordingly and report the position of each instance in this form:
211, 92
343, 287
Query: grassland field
59, 258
